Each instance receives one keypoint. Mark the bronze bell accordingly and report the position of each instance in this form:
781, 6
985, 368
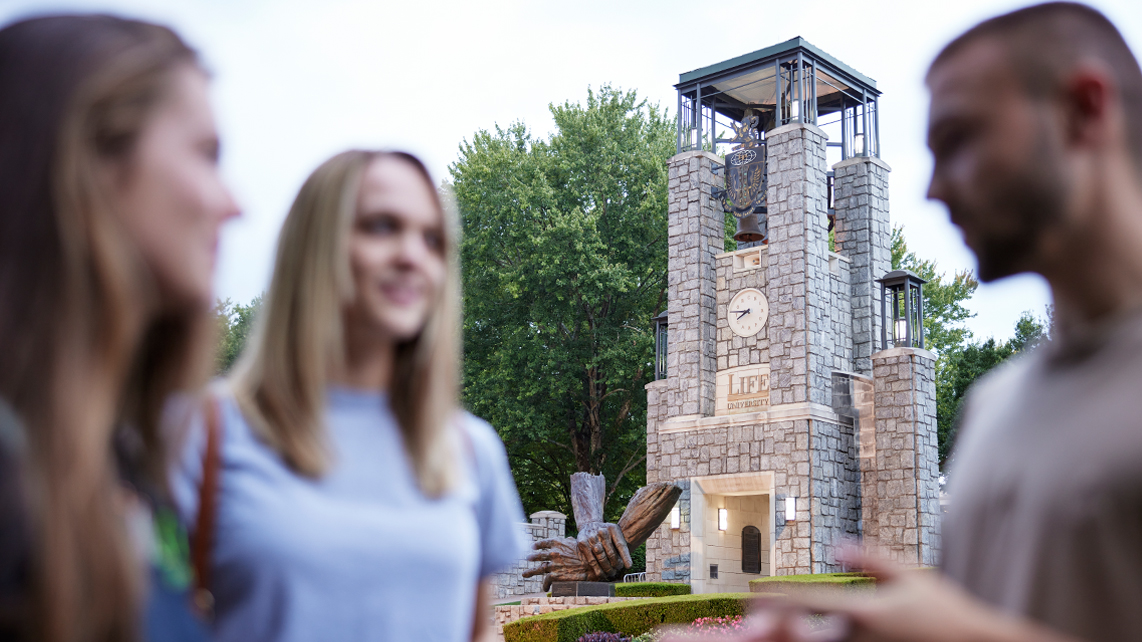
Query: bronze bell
749, 230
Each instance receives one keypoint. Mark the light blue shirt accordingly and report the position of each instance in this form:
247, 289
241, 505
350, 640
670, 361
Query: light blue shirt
359, 554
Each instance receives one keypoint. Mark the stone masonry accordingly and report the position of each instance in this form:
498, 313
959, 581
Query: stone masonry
902, 506
801, 362
544, 525
506, 614
696, 236
863, 234
808, 336
841, 454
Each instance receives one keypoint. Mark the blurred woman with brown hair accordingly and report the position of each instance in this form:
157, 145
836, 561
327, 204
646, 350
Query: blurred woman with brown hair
110, 205
356, 501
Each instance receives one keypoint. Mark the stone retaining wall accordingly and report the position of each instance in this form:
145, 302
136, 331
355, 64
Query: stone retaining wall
544, 524
540, 605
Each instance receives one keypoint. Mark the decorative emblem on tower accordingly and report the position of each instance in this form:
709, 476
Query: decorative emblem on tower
746, 183
745, 170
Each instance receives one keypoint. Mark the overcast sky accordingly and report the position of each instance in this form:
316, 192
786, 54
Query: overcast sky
296, 82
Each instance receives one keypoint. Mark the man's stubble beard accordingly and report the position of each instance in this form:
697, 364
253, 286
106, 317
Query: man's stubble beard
1035, 199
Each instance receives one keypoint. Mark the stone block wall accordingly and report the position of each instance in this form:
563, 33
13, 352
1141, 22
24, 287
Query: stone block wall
659, 398
839, 329
696, 236
732, 350
835, 491
529, 606
780, 446
863, 235
544, 525
901, 505
668, 549
798, 275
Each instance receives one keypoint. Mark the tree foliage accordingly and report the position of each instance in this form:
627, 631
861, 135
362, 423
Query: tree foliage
944, 312
564, 264
234, 323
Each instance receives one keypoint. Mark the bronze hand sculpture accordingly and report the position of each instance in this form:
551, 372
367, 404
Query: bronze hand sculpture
601, 552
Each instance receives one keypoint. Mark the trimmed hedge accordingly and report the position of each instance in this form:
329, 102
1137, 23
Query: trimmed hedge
651, 589
628, 618
783, 583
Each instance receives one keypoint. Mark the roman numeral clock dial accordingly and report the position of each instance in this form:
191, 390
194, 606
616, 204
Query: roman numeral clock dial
747, 313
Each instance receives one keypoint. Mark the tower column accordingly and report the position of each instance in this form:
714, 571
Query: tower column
697, 235
901, 501
863, 234
798, 270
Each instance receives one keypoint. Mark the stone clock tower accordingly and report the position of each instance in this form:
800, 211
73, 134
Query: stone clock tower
789, 417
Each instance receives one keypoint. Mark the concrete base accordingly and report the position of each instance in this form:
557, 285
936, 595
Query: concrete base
582, 589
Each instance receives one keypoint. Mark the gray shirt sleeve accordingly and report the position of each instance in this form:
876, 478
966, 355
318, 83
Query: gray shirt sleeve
498, 510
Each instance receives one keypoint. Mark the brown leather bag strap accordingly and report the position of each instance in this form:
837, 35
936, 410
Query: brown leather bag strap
202, 540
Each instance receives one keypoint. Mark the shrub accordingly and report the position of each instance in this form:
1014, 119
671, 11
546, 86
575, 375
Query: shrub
628, 618
785, 583
651, 589
603, 636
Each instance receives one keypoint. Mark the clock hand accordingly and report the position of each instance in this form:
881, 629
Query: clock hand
740, 313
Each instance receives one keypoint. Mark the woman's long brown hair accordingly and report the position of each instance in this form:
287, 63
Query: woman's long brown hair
280, 381
82, 348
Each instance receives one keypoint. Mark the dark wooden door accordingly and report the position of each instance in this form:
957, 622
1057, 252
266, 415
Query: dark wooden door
751, 550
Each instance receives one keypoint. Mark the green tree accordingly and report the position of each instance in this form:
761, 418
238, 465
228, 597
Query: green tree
965, 366
234, 323
564, 264
944, 312
944, 331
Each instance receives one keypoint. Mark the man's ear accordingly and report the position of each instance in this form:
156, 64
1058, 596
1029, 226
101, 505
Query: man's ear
1092, 107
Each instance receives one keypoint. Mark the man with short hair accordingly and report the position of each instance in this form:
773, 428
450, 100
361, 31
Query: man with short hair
1035, 127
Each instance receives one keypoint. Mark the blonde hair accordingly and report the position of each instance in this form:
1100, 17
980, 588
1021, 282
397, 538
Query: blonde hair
280, 382
75, 92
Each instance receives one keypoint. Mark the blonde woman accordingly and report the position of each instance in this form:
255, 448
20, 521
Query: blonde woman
110, 208
356, 501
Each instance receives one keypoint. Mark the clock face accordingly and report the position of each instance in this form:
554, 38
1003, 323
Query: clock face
748, 311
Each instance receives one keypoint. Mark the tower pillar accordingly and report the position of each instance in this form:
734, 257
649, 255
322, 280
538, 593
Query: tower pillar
901, 500
863, 235
697, 236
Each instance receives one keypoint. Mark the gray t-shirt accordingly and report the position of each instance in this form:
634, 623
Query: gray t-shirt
1045, 517
359, 554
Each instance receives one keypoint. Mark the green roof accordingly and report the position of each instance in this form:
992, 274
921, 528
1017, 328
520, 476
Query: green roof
773, 52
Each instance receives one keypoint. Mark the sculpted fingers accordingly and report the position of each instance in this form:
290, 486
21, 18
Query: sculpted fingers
621, 545
541, 556
586, 555
538, 570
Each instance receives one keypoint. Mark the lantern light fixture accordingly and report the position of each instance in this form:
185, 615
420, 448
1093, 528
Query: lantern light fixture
901, 310
661, 343
675, 517
723, 519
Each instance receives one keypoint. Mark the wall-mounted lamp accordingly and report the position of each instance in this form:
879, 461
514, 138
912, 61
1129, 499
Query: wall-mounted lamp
790, 509
723, 519
675, 517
